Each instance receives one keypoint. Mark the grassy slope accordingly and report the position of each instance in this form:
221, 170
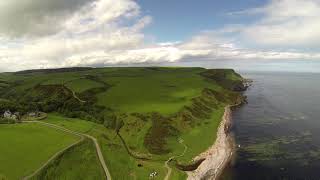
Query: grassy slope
25, 147
142, 90
81, 85
201, 137
165, 90
70, 123
79, 162
120, 164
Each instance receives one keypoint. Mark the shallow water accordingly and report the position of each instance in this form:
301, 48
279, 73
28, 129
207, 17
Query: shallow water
279, 129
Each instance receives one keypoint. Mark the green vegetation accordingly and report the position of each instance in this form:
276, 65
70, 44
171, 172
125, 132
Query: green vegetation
25, 147
153, 89
7, 121
81, 85
202, 132
138, 115
76, 125
78, 162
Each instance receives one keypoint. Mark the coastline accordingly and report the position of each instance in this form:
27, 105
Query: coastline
219, 154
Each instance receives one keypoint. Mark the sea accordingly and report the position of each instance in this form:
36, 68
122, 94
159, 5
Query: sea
277, 132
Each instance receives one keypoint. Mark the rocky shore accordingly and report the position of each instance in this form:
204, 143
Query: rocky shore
218, 155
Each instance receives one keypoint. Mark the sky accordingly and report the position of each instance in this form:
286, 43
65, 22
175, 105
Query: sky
281, 35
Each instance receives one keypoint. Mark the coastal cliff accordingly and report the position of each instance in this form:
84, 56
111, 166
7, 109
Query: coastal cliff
218, 155
216, 158
148, 120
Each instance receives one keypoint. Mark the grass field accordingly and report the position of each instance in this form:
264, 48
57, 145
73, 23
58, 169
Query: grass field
80, 162
81, 85
73, 124
25, 147
121, 165
150, 108
201, 137
165, 90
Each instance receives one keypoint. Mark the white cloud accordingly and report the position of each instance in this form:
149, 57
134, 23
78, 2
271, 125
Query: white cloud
170, 43
35, 17
200, 47
284, 23
108, 32
99, 26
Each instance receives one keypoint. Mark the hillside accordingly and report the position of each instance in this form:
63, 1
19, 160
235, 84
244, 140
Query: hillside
140, 116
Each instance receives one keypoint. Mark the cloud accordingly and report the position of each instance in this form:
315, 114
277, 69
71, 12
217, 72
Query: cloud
36, 17
202, 47
98, 26
108, 32
284, 23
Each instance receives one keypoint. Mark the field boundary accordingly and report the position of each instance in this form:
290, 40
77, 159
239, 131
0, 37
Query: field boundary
52, 158
82, 135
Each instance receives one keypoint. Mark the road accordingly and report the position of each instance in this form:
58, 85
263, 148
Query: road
82, 135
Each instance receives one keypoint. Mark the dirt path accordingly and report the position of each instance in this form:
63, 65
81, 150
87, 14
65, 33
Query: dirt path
101, 158
95, 141
166, 164
75, 96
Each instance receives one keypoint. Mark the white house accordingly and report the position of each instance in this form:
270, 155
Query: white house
7, 114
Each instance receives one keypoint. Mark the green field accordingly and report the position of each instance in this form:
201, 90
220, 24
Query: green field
79, 162
77, 125
121, 165
164, 91
81, 85
138, 115
25, 147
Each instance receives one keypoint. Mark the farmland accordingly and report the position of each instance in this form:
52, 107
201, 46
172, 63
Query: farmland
138, 115
25, 147
79, 162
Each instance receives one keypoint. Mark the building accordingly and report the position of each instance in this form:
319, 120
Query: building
7, 114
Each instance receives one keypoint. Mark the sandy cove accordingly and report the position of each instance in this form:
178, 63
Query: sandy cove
218, 155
